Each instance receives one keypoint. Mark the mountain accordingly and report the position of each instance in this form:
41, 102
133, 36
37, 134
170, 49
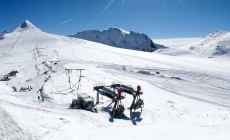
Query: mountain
214, 44
26, 25
183, 97
120, 38
2, 34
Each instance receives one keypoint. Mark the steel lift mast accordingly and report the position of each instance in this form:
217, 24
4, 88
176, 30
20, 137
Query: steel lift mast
118, 108
137, 101
71, 84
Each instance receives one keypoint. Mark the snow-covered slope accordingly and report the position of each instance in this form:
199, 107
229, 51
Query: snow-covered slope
175, 43
216, 44
2, 34
184, 97
120, 38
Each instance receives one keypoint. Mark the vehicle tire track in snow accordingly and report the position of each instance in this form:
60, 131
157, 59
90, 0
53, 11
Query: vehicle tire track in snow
185, 95
174, 91
96, 122
180, 94
93, 120
190, 97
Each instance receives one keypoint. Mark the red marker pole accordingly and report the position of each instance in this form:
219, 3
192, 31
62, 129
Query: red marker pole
119, 92
138, 88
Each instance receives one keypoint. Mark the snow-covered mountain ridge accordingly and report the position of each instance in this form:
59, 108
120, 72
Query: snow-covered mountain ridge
26, 25
120, 38
214, 44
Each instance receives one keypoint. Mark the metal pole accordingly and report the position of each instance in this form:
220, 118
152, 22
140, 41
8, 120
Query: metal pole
57, 66
52, 66
69, 79
79, 81
97, 98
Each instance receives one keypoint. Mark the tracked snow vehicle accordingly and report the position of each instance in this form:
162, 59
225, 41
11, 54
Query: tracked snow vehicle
84, 101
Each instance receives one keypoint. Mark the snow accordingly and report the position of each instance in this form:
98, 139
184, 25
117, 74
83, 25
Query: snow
26, 25
185, 97
120, 38
215, 45
174, 43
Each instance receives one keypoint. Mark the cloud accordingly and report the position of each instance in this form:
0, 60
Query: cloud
104, 9
66, 21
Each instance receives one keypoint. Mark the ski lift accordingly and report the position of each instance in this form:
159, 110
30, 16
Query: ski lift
118, 108
137, 101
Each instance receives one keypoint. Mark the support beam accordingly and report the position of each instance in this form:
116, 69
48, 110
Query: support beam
97, 97
79, 80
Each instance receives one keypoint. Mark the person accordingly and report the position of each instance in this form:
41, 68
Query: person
43, 99
14, 88
38, 98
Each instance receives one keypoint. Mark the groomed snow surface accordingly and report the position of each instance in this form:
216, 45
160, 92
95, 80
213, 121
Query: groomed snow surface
185, 97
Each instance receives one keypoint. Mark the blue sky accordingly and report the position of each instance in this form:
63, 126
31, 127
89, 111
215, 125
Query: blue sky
156, 18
